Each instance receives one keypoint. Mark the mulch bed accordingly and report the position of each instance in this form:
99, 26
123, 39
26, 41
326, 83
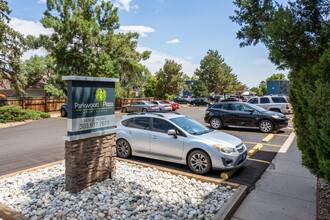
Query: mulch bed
323, 200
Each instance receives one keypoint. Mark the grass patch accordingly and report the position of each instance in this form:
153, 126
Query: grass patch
12, 113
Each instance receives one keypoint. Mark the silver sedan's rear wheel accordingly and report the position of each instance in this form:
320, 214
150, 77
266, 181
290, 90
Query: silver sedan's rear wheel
215, 123
266, 126
124, 110
199, 162
123, 149
144, 110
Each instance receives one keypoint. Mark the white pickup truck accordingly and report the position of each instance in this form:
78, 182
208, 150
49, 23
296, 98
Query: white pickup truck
272, 103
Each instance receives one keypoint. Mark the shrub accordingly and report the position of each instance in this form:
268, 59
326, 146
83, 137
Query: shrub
11, 113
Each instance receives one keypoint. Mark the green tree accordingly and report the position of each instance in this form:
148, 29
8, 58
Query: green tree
263, 87
84, 42
37, 67
215, 73
169, 79
277, 77
256, 90
11, 50
200, 89
150, 87
297, 38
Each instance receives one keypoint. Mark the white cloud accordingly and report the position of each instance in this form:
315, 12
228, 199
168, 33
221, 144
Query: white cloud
174, 41
142, 30
157, 60
28, 27
30, 53
125, 5
261, 62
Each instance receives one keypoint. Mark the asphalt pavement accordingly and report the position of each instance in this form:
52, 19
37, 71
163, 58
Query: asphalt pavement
40, 142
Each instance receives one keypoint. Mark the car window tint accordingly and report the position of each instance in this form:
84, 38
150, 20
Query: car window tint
246, 108
253, 101
279, 100
155, 103
238, 108
218, 106
142, 123
229, 107
161, 125
129, 123
264, 100
134, 103
125, 122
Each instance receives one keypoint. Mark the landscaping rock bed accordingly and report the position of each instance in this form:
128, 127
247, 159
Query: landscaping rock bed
136, 192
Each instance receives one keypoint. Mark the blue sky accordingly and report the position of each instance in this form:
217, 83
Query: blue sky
183, 30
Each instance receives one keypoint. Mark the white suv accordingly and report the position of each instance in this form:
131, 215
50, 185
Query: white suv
272, 103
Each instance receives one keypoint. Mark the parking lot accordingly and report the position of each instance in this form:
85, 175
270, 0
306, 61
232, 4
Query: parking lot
29, 150
256, 164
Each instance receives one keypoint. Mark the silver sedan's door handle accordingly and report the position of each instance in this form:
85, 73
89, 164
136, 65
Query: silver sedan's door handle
154, 136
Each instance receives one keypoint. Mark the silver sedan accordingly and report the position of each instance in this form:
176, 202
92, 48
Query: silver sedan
163, 106
140, 106
176, 138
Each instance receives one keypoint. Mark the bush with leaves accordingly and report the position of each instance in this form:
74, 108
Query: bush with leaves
297, 38
11, 113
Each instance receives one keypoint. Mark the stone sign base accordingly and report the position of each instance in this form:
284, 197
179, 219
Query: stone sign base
89, 161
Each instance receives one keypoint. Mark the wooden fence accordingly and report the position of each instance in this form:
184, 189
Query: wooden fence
44, 104
51, 103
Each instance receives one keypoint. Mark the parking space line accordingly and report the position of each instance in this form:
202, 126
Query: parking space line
261, 161
252, 132
202, 109
248, 132
228, 174
290, 128
275, 145
255, 149
267, 138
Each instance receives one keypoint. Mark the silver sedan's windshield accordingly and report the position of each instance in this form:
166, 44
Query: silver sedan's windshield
190, 126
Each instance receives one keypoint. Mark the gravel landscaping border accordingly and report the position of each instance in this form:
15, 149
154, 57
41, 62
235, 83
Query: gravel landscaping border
224, 213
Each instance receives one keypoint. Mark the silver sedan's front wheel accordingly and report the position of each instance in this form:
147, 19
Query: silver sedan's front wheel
199, 162
266, 126
215, 123
123, 148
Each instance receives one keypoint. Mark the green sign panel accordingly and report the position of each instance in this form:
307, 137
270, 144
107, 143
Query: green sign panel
91, 104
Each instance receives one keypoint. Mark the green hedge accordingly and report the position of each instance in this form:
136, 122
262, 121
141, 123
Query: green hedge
310, 98
11, 113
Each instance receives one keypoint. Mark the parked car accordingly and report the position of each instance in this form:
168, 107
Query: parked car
140, 106
272, 103
163, 106
181, 100
176, 138
200, 101
64, 110
231, 99
244, 114
218, 98
173, 104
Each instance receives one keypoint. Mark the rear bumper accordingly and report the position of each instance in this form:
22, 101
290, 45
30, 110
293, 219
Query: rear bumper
175, 107
166, 108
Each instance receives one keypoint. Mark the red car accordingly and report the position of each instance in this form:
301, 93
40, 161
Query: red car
174, 105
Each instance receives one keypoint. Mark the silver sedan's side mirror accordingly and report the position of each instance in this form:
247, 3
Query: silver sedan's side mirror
171, 132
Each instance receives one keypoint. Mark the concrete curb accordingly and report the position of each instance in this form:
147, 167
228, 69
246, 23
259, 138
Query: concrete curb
7, 213
232, 204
